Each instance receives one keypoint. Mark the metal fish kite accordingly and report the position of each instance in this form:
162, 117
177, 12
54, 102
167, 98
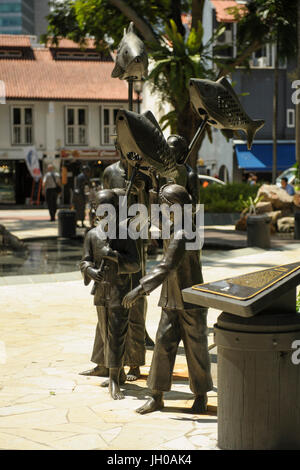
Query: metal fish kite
132, 60
141, 140
219, 103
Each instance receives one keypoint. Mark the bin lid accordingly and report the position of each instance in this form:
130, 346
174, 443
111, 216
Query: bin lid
263, 322
258, 219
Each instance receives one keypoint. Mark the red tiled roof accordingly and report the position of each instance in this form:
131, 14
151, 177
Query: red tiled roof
65, 43
221, 7
14, 40
45, 78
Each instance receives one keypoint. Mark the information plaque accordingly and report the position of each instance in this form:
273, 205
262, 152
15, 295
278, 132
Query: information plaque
248, 294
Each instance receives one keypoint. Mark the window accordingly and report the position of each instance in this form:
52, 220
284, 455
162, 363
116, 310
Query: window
77, 55
22, 125
224, 46
76, 126
7, 7
10, 54
265, 57
290, 118
108, 120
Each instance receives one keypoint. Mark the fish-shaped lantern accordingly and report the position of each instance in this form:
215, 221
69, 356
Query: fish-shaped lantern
218, 102
132, 60
141, 140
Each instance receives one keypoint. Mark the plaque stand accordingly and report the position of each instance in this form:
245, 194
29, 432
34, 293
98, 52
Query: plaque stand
258, 378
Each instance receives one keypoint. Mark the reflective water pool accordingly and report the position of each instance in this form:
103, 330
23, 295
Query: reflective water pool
43, 256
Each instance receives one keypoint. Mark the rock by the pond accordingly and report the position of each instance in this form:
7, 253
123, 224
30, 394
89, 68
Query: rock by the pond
8, 241
286, 224
277, 196
263, 206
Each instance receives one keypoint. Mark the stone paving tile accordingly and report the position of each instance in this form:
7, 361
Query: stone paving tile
83, 414
33, 419
144, 436
10, 442
181, 443
39, 436
111, 434
23, 408
86, 442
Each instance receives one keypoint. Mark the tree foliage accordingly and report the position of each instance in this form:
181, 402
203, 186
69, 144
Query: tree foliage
272, 21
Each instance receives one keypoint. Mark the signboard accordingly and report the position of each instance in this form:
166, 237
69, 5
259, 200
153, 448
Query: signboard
32, 162
249, 285
272, 290
90, 154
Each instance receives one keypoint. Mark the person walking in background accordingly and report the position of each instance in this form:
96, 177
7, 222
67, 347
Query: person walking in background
252, 179
51, 189
288, 187
79, 197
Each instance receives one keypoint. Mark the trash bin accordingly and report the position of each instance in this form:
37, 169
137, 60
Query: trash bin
258, 381
297, 226
66, 223
258, 231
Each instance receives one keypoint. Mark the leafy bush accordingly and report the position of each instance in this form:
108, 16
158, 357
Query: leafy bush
229, 198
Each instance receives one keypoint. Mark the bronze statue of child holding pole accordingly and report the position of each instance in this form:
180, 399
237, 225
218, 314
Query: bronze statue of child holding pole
109, 261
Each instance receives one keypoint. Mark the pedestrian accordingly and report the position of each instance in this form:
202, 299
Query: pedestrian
51, 189
180, 268
79, 197
287, 187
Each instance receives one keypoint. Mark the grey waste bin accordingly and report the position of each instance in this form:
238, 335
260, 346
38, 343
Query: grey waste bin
259, 231
297, 226
66, 223
258, 381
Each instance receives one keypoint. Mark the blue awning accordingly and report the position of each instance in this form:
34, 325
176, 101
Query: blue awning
260, 157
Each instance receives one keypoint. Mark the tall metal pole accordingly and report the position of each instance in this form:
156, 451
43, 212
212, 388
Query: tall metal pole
130, 94
297, 128
130, 106
275, 115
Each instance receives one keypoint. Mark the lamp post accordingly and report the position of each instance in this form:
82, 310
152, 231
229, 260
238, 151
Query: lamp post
138, 88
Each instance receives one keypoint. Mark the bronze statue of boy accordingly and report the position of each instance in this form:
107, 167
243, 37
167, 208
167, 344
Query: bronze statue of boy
109, 263
180, 268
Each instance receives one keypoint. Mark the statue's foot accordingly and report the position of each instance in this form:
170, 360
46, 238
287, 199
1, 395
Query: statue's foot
148, 341
115, 391
133, 374
98, 371
122, 379
200, 404
154, 403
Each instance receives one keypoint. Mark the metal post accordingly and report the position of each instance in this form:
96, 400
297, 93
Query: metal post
196, 137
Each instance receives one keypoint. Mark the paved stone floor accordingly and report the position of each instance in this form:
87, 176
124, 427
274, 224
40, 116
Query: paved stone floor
47, 328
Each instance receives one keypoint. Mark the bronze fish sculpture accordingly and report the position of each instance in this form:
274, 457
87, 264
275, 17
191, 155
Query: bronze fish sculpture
132, 60
141, 140
219, 103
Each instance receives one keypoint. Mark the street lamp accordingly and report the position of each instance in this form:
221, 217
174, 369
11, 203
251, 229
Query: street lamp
138, 87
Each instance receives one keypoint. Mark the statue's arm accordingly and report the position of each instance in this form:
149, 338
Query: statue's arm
87, 260
128, 258
170, 262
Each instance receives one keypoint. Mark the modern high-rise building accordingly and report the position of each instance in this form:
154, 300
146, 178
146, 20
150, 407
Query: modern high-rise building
23, 16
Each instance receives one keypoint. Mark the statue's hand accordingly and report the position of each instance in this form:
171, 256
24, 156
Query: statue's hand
132, 297
107, 252
95, 274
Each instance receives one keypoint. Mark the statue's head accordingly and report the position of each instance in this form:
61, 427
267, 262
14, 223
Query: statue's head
107, 196
174, 194
179, 147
